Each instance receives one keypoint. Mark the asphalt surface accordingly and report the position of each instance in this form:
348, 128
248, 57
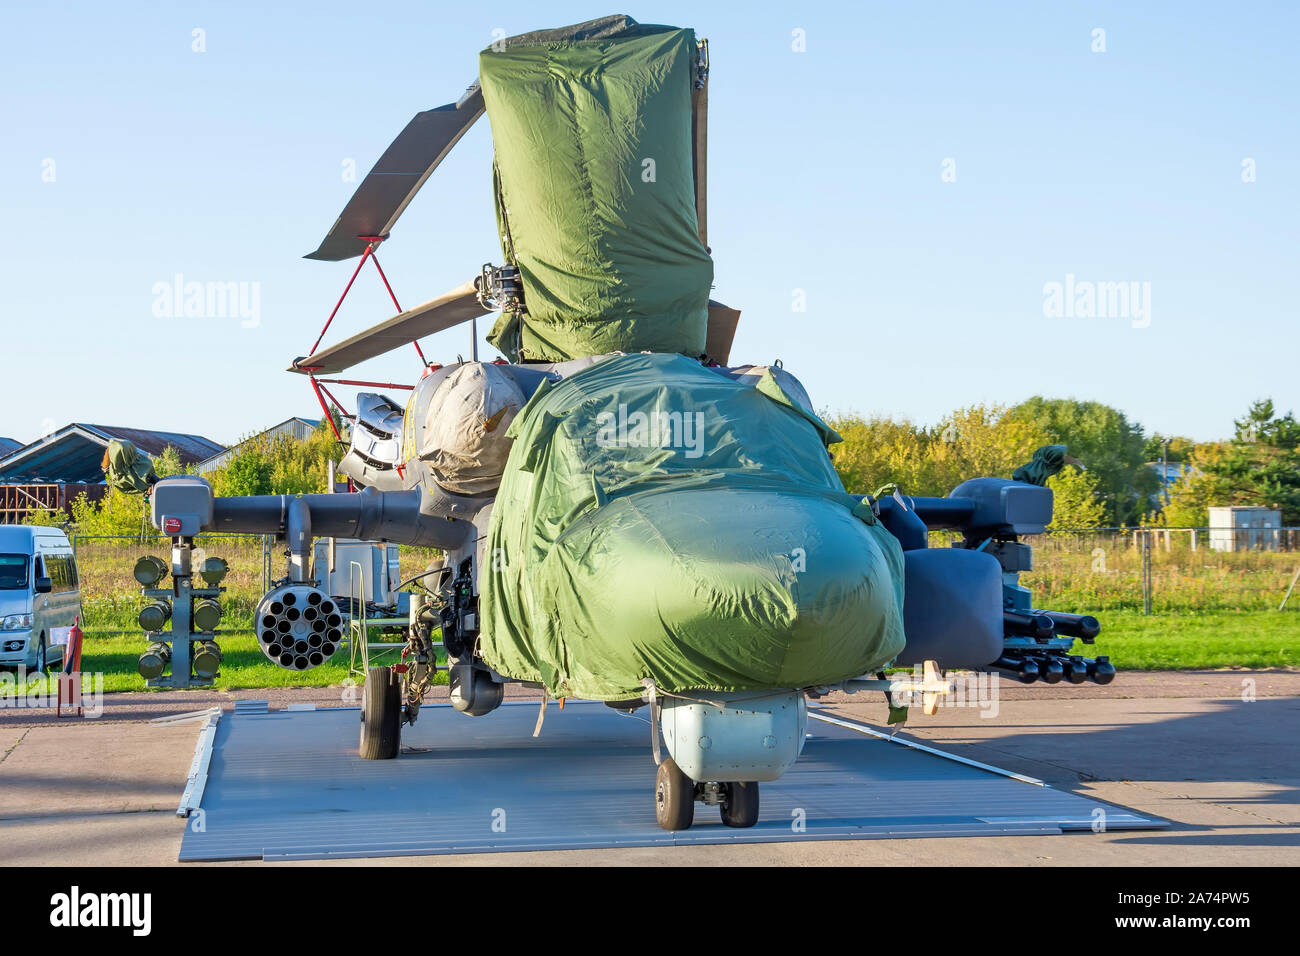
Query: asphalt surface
1214, 752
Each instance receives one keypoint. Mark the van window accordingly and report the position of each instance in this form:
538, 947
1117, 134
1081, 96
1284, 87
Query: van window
13, 572
58, 568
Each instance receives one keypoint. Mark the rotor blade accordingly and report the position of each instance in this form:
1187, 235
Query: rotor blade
721, 331
393, 182
700, 151
450, 309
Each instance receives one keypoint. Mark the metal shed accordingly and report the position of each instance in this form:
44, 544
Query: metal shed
1245, 528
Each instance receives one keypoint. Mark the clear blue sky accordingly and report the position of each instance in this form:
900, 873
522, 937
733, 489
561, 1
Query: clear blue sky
825, 175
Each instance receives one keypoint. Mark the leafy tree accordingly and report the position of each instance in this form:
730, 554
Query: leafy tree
880, 450
117, 513
246, 473
1075, 503
1180, 448
1112, 448
1259, 466
278, 465
971, 442
168, 463
48, 518
1189, 501
980, 441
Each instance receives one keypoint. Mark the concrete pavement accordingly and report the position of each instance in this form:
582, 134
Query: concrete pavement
1190, 747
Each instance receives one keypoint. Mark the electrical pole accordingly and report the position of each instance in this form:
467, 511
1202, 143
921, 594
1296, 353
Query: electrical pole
1164, 466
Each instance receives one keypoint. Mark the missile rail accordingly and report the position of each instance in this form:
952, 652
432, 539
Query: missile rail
992, 514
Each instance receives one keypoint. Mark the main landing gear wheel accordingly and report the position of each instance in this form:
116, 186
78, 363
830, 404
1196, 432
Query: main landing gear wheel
740, 808
674, 797
381, 714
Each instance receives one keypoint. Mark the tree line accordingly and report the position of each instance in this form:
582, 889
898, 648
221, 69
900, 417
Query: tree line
1116, 487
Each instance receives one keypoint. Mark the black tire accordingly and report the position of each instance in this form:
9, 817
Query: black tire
740, 809
381, 714
42, 656
674, 797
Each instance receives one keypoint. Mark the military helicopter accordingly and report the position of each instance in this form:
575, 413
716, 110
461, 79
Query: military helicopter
623, 515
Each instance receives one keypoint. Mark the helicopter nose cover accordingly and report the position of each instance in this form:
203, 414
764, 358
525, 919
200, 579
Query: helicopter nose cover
660, 520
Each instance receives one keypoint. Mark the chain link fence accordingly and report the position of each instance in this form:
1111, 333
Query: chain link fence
110, 595
1150, 570
1158, 570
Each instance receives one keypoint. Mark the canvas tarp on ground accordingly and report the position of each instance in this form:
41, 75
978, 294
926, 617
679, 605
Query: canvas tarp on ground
714, 549
595, 192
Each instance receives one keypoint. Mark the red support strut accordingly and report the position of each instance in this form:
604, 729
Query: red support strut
322, 393
324, 408
346, 289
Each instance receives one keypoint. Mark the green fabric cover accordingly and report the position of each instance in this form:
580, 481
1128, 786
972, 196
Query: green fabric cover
1047, 461
127, 469
720, 554
608, 261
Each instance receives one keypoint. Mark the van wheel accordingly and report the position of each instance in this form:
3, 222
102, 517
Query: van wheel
41, 662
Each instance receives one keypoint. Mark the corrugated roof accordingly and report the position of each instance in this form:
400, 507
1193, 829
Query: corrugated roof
9, 446
74, 452
192, 448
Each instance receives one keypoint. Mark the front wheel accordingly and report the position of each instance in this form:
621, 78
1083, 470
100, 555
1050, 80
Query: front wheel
674, 797
740, 809
42, 656
381, 714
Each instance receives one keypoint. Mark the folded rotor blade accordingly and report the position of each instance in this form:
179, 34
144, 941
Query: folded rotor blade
393, 182
721, 331
459, 305
700, 151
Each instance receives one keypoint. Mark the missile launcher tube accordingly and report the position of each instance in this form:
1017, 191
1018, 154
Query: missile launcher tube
368, 515
207, 659
155, 615
154, 660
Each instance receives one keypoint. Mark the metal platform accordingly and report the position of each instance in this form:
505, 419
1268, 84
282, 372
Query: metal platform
289, 785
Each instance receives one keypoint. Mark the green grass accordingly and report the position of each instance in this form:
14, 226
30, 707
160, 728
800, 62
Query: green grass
1192, 641
1134, 642
1212, 609
244, 666
111, 601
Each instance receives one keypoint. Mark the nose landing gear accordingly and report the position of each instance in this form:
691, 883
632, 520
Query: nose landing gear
740, 808
676, 795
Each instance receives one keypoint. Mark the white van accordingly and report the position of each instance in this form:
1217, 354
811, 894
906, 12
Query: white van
39, 595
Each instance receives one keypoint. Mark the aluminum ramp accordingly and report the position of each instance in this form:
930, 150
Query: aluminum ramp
288, 785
